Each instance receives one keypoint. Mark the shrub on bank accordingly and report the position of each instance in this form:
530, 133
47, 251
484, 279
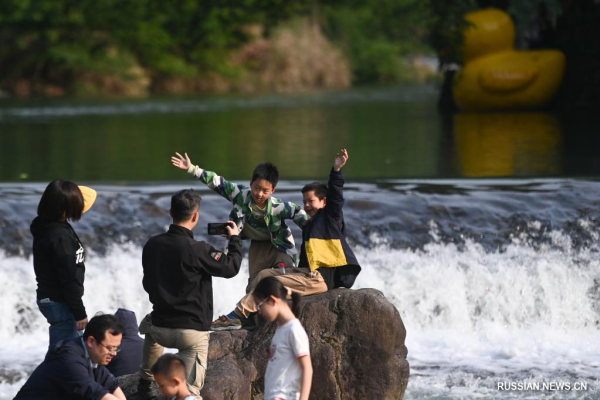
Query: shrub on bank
297, 57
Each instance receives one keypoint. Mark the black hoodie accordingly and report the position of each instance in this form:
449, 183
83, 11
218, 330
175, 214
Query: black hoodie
66, 373
58, 261
130, 357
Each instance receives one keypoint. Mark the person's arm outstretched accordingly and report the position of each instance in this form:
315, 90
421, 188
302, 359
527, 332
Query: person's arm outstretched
228, 190
216, 262
307, 373
296, 213
335, 193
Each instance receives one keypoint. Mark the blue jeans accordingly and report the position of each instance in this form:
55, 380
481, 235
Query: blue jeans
61, 320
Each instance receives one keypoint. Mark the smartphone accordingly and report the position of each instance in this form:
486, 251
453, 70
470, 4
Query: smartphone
218, 228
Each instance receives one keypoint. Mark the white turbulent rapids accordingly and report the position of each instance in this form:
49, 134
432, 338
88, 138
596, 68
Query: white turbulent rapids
474, 318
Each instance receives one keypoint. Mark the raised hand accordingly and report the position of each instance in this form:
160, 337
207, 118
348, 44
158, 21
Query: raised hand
340, 160
181, 162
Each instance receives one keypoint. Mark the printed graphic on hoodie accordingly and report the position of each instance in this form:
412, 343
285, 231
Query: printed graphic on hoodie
80, 256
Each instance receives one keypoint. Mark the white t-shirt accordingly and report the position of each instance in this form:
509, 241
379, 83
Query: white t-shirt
284, 375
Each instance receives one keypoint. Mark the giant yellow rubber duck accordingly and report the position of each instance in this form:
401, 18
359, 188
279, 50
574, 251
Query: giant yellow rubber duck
495, 76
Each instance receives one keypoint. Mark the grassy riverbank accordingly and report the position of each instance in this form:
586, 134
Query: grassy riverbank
142, 47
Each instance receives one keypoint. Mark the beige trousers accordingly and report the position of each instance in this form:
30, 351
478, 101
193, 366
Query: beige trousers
192, 346
263, 255
296, 279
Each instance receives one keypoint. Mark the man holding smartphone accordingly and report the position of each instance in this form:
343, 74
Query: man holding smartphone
218, 228
178, 273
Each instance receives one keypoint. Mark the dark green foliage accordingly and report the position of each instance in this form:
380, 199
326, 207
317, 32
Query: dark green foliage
52, 41
55, 41
447, 27
377, 34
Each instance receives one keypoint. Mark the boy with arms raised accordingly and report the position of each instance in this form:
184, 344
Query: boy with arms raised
326, 260
324, 245
259, 217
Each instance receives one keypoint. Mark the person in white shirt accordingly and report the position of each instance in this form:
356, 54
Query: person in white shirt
289, 371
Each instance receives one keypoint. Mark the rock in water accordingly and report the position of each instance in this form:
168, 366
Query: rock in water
356, 343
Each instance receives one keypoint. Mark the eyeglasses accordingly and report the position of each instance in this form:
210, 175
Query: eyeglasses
260, 304
111, 349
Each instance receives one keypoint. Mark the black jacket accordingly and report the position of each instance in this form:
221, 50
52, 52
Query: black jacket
324, 243
178, 275
59, 264
130, 357
66, 373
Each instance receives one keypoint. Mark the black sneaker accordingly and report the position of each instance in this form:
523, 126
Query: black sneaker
147, 390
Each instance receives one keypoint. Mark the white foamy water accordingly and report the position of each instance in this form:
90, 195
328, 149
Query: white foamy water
474, 318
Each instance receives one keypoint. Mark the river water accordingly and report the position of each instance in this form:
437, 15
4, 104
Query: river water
484, 238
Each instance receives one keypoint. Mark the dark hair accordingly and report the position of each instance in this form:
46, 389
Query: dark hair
169, 365
61, 198
272, 286
183, 204
319, 188
266, 171
100, 324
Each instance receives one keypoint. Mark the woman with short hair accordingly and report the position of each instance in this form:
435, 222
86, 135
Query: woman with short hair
59, 256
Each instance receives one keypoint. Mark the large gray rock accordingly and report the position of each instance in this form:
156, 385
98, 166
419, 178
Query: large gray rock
357, 350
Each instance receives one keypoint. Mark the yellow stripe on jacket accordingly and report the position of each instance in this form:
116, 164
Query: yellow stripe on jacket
325, 253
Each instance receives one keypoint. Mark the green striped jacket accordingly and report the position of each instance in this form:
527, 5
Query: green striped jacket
277, 210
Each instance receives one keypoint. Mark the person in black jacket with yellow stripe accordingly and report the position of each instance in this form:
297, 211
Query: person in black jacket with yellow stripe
324, 245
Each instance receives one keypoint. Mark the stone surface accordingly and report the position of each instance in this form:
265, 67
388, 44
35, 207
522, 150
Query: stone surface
357, 350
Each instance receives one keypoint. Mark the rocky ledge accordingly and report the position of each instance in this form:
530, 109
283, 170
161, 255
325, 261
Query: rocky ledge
357, 350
